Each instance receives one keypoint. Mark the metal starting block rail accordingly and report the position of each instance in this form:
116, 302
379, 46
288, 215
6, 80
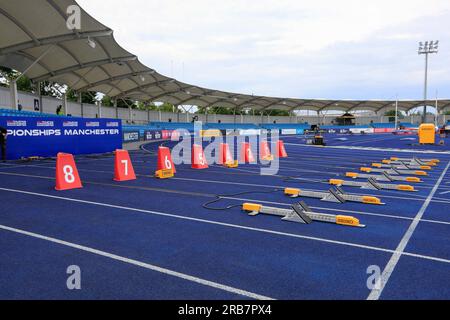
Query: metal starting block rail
301, 213
394, 171
416, 161
401, 166
383, 177
372, 184
336, 195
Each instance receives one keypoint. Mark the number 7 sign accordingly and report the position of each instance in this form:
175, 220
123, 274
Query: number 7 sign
123, 168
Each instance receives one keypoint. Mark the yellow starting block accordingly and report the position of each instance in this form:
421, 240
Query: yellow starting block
333, 195
394, 171
416, 160
301, 213
402, 167
384, 176
164, 174
268, 158
372, 184
233, 164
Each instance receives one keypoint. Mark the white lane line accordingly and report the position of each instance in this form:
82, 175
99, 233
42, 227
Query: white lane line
223, 224
249, 199
445, 192
197, 220
387, 272
172, 273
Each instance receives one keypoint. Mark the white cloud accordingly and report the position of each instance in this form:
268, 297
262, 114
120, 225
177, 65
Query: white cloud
346, 48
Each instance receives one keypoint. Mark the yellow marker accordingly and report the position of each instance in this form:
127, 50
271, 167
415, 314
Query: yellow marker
292, 192
377, 165
371, 200
405, 187
251, 207
386, 161
233, 164
425, 167
164, 174
347, 221
431, 163
435, 160
394, 159
413, 179
268, 158
336, 182
364, 169
351, 175
420, 173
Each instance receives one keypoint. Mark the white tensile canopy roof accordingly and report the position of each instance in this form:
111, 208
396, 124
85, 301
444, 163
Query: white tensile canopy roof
36, 30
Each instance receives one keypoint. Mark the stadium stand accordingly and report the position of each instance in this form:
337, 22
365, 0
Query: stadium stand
29, 114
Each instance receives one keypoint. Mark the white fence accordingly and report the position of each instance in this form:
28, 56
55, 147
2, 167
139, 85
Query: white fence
49, 105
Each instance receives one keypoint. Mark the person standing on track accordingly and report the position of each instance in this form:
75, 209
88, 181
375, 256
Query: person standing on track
3, 134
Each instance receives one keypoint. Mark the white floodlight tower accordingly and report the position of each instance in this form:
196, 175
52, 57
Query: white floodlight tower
427, 48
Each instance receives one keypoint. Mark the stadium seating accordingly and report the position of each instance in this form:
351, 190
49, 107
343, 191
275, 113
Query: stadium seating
29, 114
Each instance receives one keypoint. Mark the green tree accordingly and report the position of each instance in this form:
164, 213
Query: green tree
107, 101
391, 113
215, 110
8, 74
272, 112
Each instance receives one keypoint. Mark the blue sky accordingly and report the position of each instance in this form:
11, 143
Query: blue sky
344, 49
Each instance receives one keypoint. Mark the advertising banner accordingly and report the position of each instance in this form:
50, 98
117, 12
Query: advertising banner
286, 132
46, 136
361, 130
383, 130
130, 136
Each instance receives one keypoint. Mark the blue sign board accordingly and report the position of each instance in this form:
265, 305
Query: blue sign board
46, 136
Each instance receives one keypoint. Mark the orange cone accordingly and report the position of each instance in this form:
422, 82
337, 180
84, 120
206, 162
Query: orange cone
123, 168
165, 160
281, 149
246, 153
265, 151
198, 157
225, 156
67, 176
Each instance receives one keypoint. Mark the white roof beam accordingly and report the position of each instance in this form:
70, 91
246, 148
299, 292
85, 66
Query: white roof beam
84, 65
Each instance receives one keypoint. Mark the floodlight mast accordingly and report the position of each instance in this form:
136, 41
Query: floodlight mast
427, 48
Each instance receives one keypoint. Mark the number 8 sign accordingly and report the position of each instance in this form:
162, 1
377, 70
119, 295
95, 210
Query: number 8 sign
67, 176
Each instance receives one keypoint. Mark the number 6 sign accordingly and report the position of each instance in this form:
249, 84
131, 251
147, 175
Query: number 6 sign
67, 176
165, 160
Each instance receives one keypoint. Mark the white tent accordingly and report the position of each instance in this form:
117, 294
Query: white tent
36, 39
